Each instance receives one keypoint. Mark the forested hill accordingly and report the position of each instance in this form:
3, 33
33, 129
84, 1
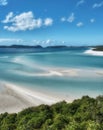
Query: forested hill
81, 114
98, 48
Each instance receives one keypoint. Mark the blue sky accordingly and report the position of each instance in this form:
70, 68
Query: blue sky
50, 22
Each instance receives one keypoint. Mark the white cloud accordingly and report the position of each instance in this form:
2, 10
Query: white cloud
97, 5
36, 42
92, 20
80, 2
8, 40
79, 24
48, 22
24, 21
3, 2
8, 18
42, 41
63, 19
71, 18
48, 41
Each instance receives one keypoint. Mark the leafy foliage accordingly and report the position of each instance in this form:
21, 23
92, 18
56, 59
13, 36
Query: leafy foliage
81, 114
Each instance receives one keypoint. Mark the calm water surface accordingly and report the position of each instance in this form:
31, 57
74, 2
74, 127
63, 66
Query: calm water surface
32, 71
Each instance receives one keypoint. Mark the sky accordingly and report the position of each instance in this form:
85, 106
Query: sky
51, 22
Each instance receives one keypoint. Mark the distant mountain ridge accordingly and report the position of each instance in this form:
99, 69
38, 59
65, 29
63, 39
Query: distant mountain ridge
20, 46
39, 46
50, 48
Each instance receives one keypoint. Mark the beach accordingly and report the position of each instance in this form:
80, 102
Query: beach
14, 98
95, 53
32, 79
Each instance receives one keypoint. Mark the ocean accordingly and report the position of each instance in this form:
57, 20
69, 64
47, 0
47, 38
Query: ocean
69, 74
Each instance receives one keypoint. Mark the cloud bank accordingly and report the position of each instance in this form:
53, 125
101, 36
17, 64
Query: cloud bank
24, 21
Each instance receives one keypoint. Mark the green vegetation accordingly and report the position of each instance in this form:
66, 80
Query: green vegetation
98, 48
81, 114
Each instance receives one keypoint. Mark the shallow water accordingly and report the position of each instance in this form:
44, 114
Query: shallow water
43, 71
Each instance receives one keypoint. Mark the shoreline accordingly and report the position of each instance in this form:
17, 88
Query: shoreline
14, 99
94, 53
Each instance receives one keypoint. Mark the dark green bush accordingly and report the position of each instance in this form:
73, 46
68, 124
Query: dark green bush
81, 114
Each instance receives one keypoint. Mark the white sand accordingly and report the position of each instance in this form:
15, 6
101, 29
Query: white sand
95, 53
51, 72
47, 71
14, 99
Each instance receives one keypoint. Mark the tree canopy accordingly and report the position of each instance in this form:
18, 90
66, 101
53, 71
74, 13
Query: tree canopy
81, 114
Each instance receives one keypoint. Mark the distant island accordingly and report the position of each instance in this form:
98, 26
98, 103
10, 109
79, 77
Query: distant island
20, 46
35, 46
41, 47
92, 50
98, 48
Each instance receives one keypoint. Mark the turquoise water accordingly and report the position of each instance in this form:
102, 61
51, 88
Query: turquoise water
33, 70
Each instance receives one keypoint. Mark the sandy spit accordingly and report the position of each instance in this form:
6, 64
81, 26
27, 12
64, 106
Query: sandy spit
14, 98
